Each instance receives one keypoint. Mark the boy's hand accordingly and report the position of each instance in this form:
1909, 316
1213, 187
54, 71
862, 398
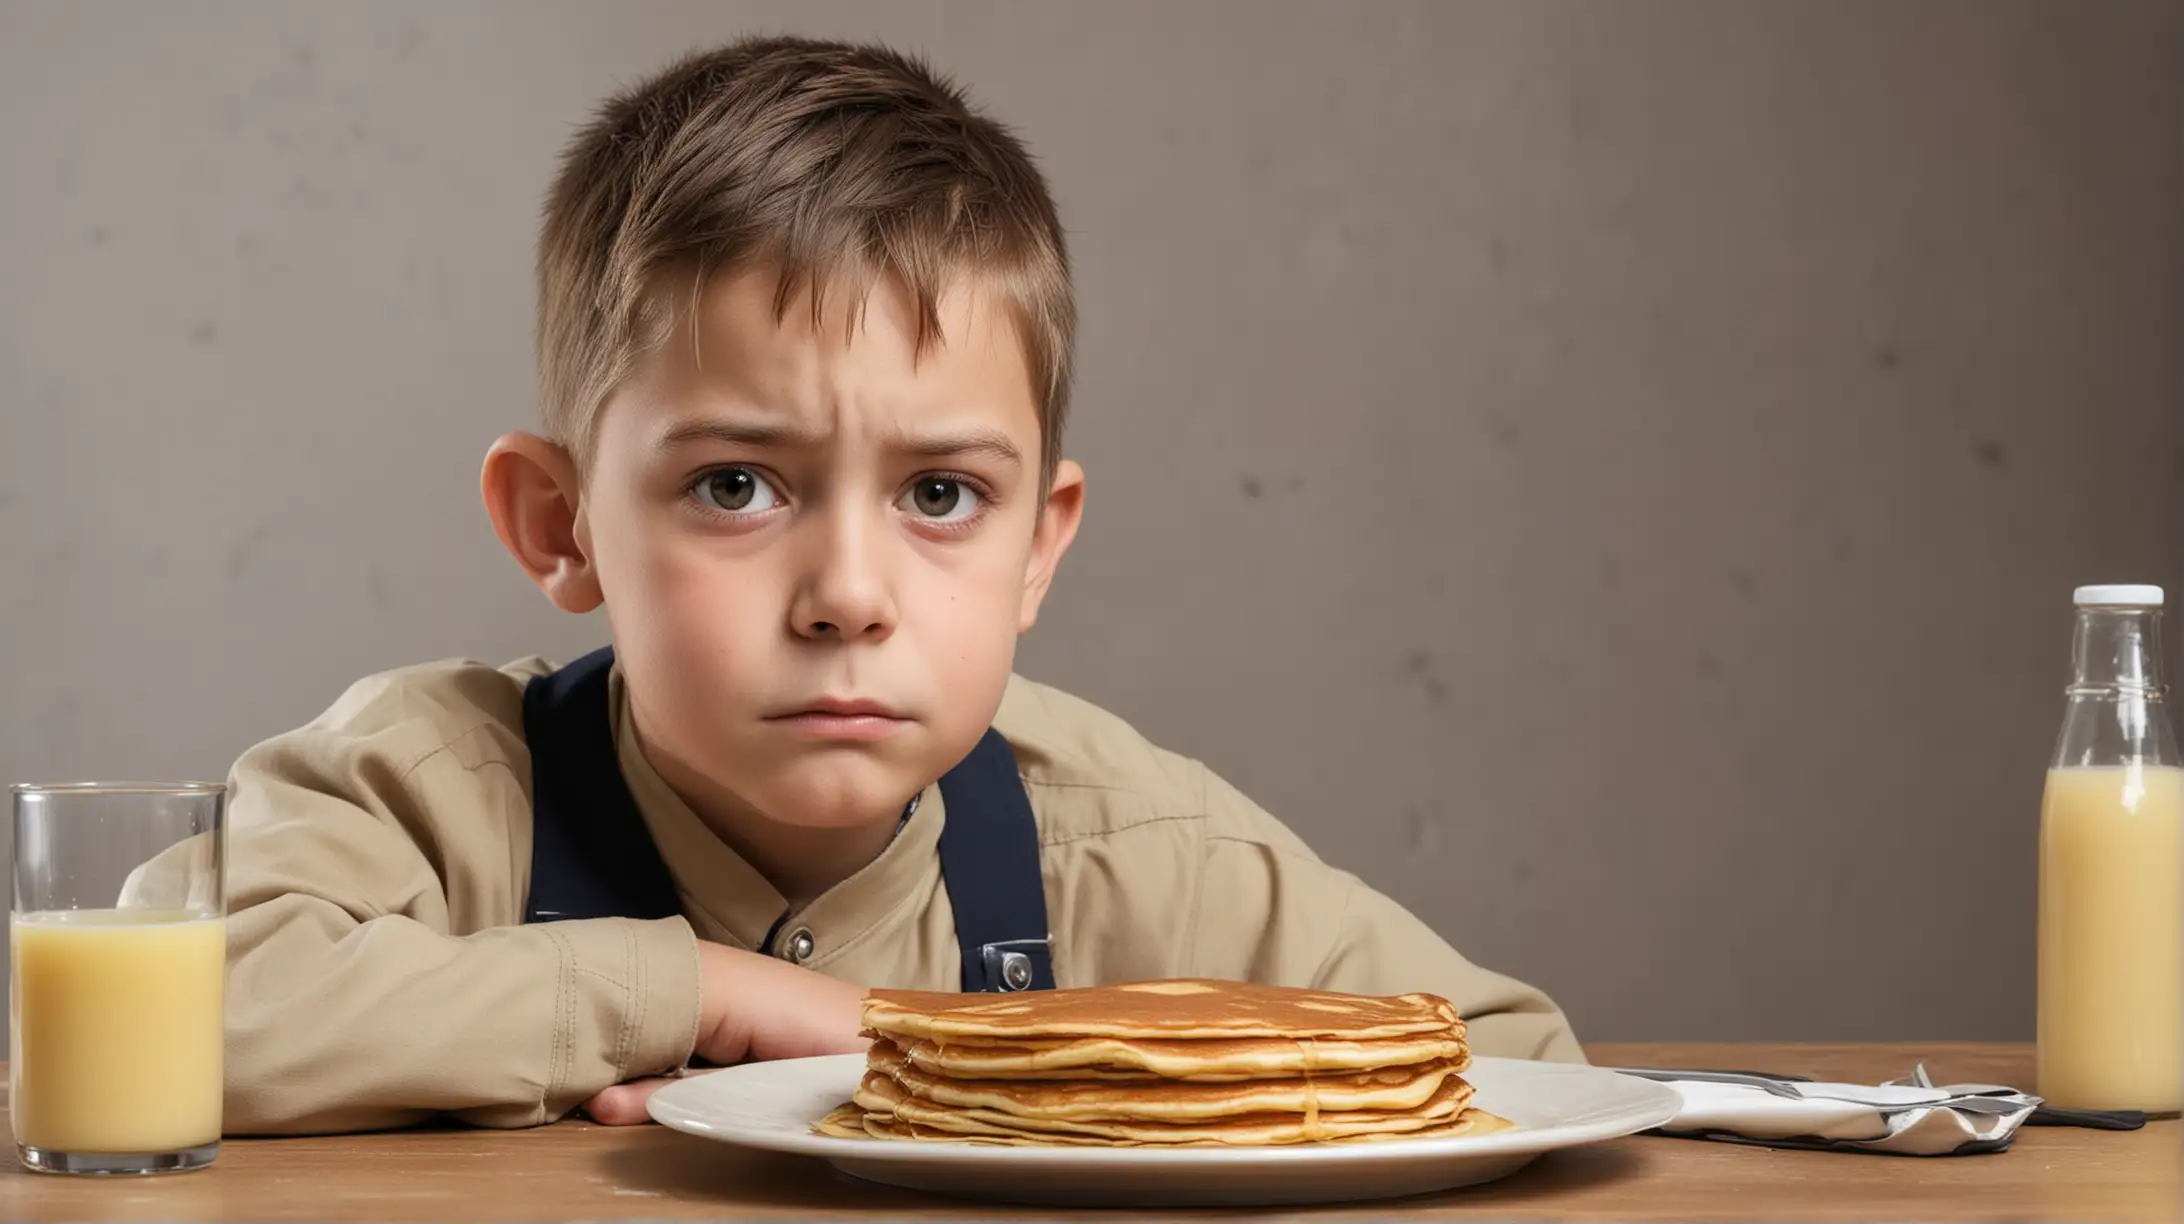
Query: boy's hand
751, 1008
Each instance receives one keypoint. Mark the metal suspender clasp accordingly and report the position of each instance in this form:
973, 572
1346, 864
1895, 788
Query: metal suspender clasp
1008, 964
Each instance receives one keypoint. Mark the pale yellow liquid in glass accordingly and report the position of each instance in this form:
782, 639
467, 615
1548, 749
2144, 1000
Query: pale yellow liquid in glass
117, 1029
2112, 938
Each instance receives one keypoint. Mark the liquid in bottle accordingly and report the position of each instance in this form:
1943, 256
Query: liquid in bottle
2111, 922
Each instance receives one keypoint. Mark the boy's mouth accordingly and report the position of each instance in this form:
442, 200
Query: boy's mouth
842, 719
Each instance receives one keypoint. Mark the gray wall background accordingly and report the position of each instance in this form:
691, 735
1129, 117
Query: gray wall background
1611, 474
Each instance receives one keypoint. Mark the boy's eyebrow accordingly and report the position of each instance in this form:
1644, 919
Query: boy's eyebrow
738, 433
991, 443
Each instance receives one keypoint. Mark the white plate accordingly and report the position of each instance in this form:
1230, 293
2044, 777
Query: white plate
773, 1105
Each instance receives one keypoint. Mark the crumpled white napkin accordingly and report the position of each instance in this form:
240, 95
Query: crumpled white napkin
1946, 1120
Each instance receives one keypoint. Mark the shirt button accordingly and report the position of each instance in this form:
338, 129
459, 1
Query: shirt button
797, 948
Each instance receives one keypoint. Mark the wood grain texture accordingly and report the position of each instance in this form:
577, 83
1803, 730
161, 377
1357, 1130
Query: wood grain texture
577, 1170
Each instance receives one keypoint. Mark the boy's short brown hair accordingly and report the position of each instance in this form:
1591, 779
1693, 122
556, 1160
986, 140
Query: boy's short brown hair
841, 164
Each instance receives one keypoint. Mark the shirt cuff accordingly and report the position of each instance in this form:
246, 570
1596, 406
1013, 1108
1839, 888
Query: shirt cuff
627, 1004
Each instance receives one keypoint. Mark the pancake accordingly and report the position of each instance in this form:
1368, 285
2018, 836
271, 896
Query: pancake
882, 1097
1389, 1088
852, 1122
1193, 1008
844, 1121
1181, 1063
1214, 1060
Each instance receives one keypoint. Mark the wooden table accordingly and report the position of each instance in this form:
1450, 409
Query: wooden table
578, 1170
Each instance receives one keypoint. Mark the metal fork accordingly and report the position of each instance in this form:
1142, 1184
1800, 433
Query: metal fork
2046, 1114
1773, 1085
1977, 1097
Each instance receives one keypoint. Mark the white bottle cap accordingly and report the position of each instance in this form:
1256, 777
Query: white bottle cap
2114, 595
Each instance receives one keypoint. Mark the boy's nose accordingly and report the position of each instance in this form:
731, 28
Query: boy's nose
844, 595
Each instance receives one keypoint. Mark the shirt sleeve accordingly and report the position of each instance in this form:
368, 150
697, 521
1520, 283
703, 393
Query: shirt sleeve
378, 971
1268, 910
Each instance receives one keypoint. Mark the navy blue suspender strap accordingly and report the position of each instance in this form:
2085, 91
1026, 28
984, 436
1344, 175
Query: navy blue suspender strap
989, 861
592, 857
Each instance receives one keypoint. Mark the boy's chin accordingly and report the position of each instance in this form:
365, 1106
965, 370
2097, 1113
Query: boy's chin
849, 796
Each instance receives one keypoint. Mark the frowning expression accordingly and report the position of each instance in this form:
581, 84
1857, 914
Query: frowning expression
817, 545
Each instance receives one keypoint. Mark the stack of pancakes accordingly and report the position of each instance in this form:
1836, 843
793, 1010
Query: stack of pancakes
1166, 1063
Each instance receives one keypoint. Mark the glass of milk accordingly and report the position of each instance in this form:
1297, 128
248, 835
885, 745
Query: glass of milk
2111, 924
117, 947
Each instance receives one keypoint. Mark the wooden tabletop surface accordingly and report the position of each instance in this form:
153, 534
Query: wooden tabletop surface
577, 1170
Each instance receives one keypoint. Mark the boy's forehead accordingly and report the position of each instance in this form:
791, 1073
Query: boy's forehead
736, 349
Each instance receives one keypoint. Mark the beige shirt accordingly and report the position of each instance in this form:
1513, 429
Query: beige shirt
380, 971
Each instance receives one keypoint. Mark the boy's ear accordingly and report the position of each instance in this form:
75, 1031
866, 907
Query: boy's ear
1058, 521
533, 493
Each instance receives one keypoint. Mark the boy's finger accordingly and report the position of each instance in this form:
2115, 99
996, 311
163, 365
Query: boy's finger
624, 1104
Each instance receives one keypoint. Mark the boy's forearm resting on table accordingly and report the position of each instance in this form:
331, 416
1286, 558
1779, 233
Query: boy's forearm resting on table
340, 1025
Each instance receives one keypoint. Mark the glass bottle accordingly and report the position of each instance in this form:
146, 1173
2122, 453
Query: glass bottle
2111, 923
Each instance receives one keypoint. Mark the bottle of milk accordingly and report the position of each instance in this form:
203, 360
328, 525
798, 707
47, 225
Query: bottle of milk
2111, 975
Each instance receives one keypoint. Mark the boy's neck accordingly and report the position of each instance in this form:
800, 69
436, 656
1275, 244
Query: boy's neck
800, 862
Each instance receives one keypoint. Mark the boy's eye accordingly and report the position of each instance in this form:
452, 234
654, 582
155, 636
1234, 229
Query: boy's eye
736, 490
940, 500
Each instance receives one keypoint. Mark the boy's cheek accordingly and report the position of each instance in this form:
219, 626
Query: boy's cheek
970, 628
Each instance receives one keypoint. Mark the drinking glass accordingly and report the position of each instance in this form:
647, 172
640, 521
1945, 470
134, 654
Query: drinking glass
118, 965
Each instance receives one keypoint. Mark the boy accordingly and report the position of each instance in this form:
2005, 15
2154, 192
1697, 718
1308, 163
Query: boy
805, 328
